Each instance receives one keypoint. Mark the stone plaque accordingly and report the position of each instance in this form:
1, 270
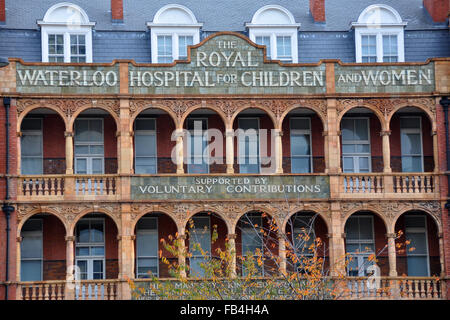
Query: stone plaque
227, 64
384, 78
229, 187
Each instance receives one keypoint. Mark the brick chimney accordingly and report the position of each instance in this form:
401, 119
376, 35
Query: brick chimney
438, 9
317, 8
116, 11
2, 12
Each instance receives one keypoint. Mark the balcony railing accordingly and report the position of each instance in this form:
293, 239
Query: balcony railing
389, 185
356, 288
59, 290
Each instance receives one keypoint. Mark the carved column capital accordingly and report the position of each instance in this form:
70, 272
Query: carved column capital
19, 239
68, 134
385, 133
19, 134
70, 238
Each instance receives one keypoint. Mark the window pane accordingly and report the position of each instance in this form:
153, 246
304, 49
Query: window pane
409, 123
411, 143
301, 165
251, 240
417, 266
147, 243
82, 251
195, 266
31, 270
145, 124
83, 231
412, 164
164, 49
284, 48
147, 266
82, 130
145, 165
31, 165
361, 129
32, 145
418, 243
183, 42
97, 166
98, 251
96, 231
31, 246
300, 144
145, 145
265, 41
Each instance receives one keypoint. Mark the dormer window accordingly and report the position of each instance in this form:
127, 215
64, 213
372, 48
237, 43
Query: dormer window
66, 34
173, 29
274, 27
379, 35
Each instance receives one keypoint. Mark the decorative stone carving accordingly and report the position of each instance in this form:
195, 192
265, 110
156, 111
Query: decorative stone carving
385, 106
178, 107
69, 106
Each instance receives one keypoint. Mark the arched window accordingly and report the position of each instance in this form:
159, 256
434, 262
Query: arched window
379, 35
174, 27
66, 34
275, 27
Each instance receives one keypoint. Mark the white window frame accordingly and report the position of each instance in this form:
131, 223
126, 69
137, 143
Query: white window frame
191, 132
147, 132
379, 28
410, 130
33, 133
89, 157
273, 29
148, 231
300, 132
419, 230
361, 255
258, 144
66, 28
41, 259
90, 258
355, 156
174, 29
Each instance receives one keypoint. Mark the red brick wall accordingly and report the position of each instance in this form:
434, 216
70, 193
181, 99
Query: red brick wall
317, 9
117, 9
54, 142
12, 192
2, 11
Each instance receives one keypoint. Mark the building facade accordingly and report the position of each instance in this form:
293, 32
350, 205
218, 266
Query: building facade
126, 121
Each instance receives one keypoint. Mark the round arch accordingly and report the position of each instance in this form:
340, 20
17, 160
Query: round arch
66, 12
294, 212
143, 214
205, 210
255, 210
267, 111
91, 106
375, 212
299, 106
216, 110
276, 13
167, 13
377, 112
430, 114
38, 105
91, 211
149, 106
39, 211
379, 13
428, 212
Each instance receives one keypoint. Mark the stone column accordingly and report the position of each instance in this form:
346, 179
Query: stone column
442, 254
325, 150
435, 151
282, 252
388, 179
126, 252
19, 152
337, 244
179, 149
232, 252
18, 265
278, 151
69, 152
69, 291
392, 255
229, 136
125, 139
182, 253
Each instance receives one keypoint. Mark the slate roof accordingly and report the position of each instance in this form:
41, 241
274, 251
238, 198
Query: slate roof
224, 15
